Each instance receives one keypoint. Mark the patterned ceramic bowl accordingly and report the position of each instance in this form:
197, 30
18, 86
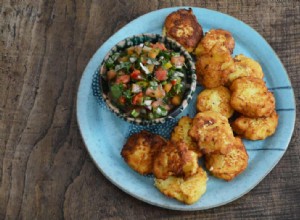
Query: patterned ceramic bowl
189, 78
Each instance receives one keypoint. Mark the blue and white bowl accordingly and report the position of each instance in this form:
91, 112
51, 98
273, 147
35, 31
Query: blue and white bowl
190, 77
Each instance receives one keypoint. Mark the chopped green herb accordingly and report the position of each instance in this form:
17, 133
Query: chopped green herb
116, 91
135, 113
177, 88
126, 66
153, 84
128, 94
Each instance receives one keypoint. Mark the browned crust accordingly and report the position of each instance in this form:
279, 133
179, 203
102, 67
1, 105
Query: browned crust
213, 37
182, 25
170, 161
150, 144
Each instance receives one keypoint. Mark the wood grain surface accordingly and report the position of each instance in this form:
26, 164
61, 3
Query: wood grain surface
45, 171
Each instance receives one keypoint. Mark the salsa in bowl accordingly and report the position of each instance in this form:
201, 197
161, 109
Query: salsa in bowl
147, 78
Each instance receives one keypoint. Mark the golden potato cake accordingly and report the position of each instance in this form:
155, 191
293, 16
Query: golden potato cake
212, 68
187, 190
180, 134
245, 66
212, 132
175, 160
255, 128
140, 149
216, 99
251, 97
213, 37
230, 165
182, 26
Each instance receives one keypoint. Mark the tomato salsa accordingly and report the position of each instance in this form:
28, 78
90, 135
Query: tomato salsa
147, 80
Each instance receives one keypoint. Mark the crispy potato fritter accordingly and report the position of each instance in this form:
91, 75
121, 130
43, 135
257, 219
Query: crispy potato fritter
212, 132
216, 99
255, 128
182, 26
251, 97
228, 166
140, 150
187, 190
213, 37
180, 133
213, 68
245, 66
175, 160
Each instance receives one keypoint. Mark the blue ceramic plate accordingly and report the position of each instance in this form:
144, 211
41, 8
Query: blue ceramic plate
104, 133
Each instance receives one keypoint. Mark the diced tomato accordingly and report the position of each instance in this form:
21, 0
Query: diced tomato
176, 100
173, 82
138, 49
123, 59
111, 74
137, 99
156, 103
123, 79
168, 87
136, 74
160, 92
161, 74
153, 53
177, 60
150, 92
160, 46
122, 100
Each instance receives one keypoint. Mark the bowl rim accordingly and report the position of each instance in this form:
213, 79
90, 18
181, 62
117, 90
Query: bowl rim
189, 91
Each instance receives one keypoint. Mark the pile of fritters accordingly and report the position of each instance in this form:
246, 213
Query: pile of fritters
234, 84
225, 155
173, 163
231, 85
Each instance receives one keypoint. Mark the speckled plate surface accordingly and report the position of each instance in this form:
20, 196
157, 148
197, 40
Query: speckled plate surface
104, 133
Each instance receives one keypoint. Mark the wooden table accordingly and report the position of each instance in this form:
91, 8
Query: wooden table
45, 170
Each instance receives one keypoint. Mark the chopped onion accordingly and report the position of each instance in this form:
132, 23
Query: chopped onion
158, 111
148, 102
136, 88
145, 68
132, 59
147, 49
151, 61
180, 74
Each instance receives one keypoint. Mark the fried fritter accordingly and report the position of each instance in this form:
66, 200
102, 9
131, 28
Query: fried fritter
180, 133
175, 160
230, 165
182, 26
245, 66
255, 128
187, 190
216, 99
212, 132
140, 150
213, 37
212, 68
251, 97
